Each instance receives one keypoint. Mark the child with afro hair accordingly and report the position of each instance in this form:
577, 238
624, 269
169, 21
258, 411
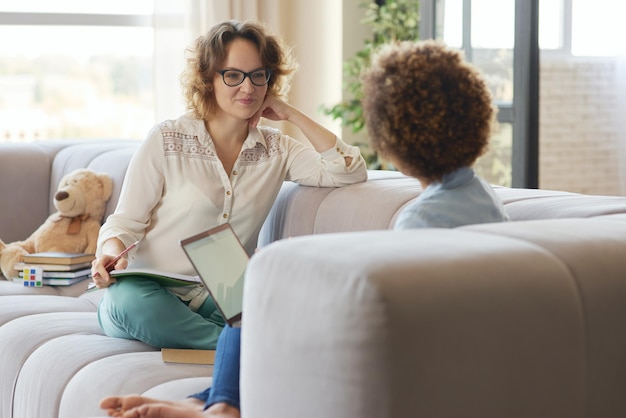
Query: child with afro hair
430, 114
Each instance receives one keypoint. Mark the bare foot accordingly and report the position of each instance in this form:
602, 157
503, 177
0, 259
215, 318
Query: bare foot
221, 410
117, 406
177, 410
163, 410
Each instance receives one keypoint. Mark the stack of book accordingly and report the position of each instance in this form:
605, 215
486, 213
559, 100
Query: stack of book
59, 269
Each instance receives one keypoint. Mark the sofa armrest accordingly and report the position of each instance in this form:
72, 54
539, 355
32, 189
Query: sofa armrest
433, 323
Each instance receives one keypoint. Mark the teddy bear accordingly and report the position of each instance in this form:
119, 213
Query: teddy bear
80, 201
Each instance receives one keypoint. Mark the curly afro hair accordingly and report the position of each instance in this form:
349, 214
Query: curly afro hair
426, 109
206, 55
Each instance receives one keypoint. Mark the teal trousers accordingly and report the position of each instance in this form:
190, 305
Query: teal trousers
143, 310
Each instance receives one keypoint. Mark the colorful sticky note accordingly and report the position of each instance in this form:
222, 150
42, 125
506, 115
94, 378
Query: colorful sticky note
33, 276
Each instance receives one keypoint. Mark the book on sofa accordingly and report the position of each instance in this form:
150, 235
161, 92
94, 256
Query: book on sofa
188, 356
55, 267
33, 275
82, 273
59, 281
57, 258
62, 278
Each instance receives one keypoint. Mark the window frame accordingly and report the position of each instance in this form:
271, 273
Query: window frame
75, 19
523, 112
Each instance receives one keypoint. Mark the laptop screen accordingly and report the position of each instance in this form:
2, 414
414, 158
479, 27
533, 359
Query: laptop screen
220, 260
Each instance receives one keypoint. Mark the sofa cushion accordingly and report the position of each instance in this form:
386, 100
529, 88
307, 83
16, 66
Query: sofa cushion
22, 336
529, 204
16, 306
50, 368
594, 252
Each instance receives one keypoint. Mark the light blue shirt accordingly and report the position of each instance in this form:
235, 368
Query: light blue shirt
461, 198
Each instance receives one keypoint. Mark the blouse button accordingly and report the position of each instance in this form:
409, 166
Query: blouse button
225, 215
228, 193
235, 172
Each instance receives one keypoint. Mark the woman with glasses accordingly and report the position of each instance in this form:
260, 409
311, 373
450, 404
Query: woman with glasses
214, 165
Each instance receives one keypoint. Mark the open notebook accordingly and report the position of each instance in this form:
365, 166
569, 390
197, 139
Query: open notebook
220, 261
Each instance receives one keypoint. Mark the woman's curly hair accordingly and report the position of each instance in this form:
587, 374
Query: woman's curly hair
426, 108
207, 54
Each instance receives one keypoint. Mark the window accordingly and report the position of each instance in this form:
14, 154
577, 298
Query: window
582, 27
578, 79
76, 69
598, 28
581, 114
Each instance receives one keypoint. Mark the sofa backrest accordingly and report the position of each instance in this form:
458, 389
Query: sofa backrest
111, 157
375, 204
31, 172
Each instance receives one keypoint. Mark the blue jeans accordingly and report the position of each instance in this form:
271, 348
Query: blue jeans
225, 386
143, 310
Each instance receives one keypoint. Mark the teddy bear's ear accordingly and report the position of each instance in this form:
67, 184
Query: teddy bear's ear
107, 185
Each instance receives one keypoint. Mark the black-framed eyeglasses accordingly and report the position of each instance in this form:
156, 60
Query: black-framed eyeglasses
234, 78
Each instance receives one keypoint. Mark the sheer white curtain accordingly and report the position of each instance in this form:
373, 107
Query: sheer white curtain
620, 120
312, 28
171, 37
204, 14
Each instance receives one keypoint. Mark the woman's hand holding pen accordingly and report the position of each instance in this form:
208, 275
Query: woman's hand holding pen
101, 266
100, 275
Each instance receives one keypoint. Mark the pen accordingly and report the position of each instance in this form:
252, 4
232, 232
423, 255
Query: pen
111, 264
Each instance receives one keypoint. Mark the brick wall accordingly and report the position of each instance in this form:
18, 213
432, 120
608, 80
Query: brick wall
582, 144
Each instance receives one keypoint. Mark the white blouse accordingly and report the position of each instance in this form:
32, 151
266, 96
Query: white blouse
176, 186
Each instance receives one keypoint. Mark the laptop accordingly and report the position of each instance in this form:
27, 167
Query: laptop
220, 261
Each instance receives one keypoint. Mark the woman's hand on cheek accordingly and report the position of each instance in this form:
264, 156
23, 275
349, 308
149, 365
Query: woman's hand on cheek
272, 109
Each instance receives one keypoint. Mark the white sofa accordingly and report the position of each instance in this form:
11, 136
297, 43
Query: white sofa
350, 319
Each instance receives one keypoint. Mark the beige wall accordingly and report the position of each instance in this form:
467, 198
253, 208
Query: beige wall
581, 132
355, 34
323, 34
313, 29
